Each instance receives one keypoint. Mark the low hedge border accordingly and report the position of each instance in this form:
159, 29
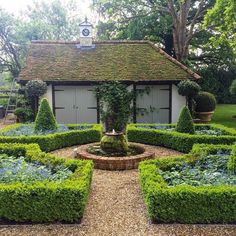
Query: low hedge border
55, 141
178, 141
185, 203
45, 201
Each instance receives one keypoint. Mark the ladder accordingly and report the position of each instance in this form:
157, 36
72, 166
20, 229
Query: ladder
11, 103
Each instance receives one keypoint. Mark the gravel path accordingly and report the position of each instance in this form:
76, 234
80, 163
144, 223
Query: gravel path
116, 208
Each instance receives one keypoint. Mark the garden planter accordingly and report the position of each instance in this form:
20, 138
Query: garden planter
205, 117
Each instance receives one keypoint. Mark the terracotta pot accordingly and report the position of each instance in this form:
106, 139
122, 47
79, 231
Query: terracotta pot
205, 117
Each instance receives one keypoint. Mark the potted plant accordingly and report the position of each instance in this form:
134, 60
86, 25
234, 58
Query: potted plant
205, 106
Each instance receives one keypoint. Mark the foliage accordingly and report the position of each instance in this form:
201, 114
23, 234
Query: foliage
52, 201
217, 80
189, 89
115, 103
205, 102
45, 120
42, 20
178, 141
50, 142
232, 88
185, 203
36, 88
24, 114
221, 19
11, 49
28, 130
18, 170
185, 122
175, 23
199, 129
208, 171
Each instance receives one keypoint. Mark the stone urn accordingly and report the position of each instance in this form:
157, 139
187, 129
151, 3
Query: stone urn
114, 142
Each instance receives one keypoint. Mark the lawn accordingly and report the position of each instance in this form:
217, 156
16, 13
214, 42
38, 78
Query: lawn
223, 115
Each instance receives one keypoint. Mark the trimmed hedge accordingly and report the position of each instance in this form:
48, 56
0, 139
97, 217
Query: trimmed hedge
45, 201
55, 141
178, 141
185, 203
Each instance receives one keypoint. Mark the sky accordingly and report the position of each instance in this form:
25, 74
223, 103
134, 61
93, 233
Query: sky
16, 6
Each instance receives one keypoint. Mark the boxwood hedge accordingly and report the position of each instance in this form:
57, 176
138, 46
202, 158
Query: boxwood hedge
45, 201
55, 141
185, 203
178, 141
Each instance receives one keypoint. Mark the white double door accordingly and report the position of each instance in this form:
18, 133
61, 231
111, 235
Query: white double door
154, 106
75, 104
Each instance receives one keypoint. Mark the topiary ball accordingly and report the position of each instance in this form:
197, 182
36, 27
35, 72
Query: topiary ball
45, 120
36, 88
188, 88
205, 102
185, 122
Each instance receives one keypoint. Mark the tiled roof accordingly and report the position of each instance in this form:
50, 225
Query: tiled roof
110, 60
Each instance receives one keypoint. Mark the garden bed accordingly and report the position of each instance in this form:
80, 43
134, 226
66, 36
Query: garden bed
166, 136
196, 188
41, 187
66, 136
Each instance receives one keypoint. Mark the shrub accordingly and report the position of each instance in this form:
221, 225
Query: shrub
24, 114
50, 142
189, 89
205, 102
45, 201
185, 203
45, 119
34, 90
232, 88
178, 141
185, 122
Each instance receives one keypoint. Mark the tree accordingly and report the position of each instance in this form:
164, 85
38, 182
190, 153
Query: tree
221, 19
55, 20
10, 47
185, 16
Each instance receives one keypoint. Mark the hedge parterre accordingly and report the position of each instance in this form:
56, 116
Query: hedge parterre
154, 135
45, 201
186, 203
49, 142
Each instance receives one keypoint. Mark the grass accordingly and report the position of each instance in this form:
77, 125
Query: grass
223, 115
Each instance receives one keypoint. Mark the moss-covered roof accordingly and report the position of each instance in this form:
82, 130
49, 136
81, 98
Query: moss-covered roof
110, 60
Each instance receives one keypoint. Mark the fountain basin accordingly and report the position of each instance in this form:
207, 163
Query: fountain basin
114, 163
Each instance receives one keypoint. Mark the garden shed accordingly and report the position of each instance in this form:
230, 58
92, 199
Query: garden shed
72, 69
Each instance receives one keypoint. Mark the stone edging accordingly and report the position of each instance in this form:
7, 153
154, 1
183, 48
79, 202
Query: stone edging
114, 163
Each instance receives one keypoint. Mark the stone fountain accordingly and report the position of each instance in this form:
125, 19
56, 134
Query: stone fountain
114, 152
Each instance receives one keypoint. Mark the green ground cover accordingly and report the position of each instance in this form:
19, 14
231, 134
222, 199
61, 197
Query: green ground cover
223, 115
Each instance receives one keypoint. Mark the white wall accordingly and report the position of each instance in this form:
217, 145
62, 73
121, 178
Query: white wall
178, 102
48, 94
